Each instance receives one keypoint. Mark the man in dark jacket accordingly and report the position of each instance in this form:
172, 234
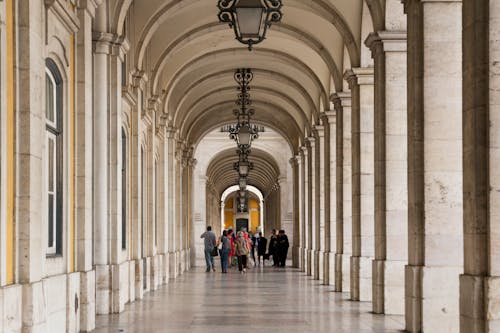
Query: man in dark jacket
282, 248
273, 247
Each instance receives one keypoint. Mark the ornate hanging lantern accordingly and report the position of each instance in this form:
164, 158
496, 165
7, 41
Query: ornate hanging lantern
250, 19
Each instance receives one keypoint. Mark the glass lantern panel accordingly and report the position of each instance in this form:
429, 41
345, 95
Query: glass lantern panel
249, 21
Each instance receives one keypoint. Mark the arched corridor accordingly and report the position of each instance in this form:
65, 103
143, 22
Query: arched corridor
372, 139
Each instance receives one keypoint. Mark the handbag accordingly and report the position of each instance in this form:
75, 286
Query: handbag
215, 252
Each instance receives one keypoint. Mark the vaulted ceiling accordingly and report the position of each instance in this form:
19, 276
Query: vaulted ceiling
189, 59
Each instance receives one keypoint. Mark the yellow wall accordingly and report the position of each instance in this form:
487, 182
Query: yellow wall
254, 214
228, 213
10, 142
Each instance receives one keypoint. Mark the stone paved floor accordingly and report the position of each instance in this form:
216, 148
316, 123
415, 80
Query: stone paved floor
263, 300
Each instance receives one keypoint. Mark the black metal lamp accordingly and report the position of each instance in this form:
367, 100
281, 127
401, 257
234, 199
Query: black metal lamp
250, 19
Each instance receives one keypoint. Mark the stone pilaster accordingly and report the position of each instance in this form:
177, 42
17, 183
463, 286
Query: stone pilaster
434, 166
308, 210
83, 165
312, 203
319, 202
171, 179
303, 206
329, 121
363, 179
296, 213
389, 53
479, 310
343, 249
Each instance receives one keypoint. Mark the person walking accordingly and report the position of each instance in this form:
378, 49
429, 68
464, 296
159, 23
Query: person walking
255, 246
261, 248
226, 248
232, 250
210, 243
242, 251
273, 247
283, 246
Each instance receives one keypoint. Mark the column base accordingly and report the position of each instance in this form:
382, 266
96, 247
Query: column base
155, 272
355, 278
492, 303
182, 261
295, 257
472, 304
338, 272
87, 301
378, 281
139, 278
111, 288
316, 265
302, 252
326, 268
172, 263
309, 262
413, 298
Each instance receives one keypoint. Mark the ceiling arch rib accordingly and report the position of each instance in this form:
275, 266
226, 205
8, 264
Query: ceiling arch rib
220, 114
273, 79
268, 58
306, 38
322, 8
263, 94
221, 174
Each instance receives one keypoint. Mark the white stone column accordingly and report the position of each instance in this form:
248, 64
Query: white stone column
30, 244
171, 180
162, 223
296, 213
391, 208
308, 204
83, 165
344, 188
312, 203
363, 180
303, 204
493, 251
329, 163
479, 285
435, 165
319, 244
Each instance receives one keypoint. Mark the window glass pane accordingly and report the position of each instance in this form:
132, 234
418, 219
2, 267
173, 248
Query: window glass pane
51, 219
51, 166
50, 106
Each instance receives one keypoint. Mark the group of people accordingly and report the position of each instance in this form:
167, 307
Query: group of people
238, 247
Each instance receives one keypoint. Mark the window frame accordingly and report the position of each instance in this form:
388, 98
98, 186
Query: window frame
54, 131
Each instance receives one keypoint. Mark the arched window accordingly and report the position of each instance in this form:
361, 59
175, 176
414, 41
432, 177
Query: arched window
54, 156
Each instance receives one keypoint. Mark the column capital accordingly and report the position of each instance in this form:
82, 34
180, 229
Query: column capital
394, 41
293, 162
305, 151
311, 140
192, 162
320, 130
329, 117
364, 75
139, 78
374, 43
110, 44
351, 78
171, 131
